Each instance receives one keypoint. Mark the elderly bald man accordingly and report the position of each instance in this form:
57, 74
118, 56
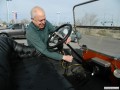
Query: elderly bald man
38, 32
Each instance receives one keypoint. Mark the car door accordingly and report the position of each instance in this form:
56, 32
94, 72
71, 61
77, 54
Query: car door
17, 30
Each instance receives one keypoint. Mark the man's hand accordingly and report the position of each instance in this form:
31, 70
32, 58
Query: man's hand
68, 40
67, 58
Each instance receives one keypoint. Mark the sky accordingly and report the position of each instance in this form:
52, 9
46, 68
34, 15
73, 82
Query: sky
51, 7
59, 10
105, 10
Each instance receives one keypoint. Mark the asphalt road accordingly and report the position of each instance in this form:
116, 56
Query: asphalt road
104, 45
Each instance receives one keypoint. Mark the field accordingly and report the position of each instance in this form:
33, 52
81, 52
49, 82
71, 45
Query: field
100, 32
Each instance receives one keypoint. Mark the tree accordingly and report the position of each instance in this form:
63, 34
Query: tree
25, 21
4, 23
87, 20
12, 22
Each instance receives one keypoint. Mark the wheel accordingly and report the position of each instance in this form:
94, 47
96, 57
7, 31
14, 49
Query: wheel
59, 36
3, 35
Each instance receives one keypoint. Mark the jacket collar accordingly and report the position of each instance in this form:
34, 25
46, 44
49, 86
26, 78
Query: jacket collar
35, 27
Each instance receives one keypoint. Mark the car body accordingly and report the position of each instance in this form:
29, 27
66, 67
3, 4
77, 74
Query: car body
15, 30
75, 36
95, 65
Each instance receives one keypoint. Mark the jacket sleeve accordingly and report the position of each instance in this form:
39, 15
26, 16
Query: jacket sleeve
36, 42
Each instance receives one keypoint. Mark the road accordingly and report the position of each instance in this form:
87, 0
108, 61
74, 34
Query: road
104, 45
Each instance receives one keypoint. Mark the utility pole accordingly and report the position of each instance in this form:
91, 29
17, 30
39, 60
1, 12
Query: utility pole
58, 18
14, 16
7, 10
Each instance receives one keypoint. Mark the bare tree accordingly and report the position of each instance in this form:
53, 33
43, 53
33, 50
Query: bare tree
25, 21
12, 22
88, 20
78, 22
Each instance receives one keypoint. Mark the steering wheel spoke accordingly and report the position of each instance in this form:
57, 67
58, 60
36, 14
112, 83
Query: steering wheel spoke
58, 37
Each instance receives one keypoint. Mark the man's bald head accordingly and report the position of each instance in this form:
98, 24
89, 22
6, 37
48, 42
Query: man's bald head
37, 11
38, 17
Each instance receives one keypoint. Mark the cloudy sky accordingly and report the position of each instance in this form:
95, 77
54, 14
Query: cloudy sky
53, 7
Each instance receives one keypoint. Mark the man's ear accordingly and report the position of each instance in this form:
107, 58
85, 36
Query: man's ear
32, 19
34, 22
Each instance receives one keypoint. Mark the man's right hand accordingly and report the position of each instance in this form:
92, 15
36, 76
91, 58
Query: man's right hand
67, 58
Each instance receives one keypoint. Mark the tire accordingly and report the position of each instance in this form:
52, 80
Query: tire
3, 35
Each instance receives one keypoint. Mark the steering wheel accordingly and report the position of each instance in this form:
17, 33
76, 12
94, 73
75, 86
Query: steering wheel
58, 37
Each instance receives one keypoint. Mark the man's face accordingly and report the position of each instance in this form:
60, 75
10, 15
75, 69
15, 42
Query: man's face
40, 21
